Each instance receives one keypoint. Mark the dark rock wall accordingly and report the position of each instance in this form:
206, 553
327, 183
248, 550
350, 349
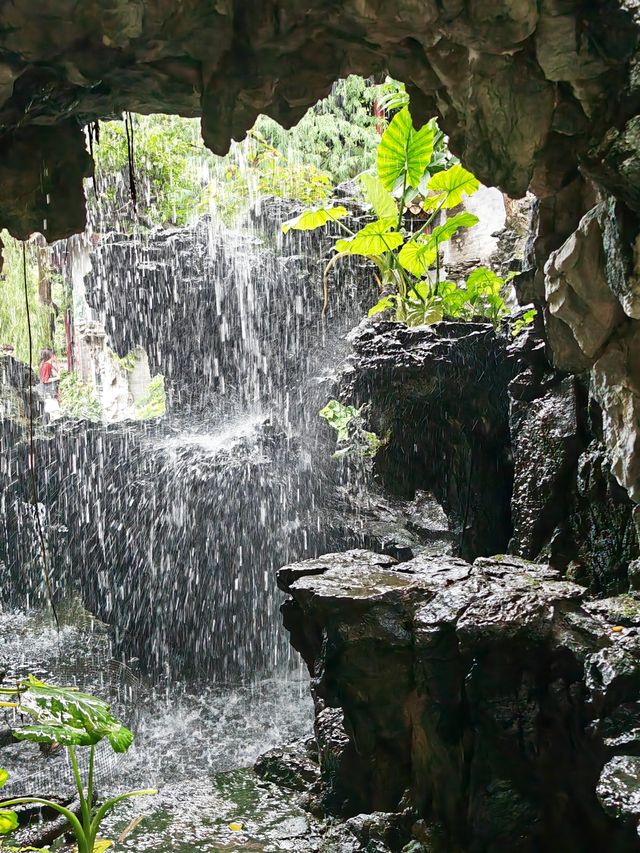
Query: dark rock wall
526, 91
441, 395
511, 448
490, 700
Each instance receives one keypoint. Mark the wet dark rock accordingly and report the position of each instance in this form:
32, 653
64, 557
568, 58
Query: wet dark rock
546, 444
441, 394
292, 766
401, 529
567, 506
619, 789
489, 449
452, 686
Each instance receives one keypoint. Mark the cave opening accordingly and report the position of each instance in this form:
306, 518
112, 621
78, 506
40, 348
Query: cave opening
342, 350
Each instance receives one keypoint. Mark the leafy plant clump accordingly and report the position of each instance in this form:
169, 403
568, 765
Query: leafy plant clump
523, 322
411, 165
77, 399
64, 716
352, 437
154, 403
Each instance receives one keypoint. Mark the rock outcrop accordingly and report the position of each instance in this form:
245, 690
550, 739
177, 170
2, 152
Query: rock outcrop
490, 700
512, 449
526, 92
440, 393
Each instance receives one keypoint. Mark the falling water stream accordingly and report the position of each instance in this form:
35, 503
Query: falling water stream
171, 531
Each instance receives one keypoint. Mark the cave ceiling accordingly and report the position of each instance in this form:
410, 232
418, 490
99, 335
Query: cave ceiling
529, 92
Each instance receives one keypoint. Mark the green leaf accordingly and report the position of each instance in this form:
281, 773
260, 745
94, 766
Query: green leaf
403, 151
381, 305
378, 196
64, 715
65, 735
423, 314
8, 822
417, 256
454, 300
450, 187
443, 233
4, 775
339, 417
484, 281
374, 239
314, 218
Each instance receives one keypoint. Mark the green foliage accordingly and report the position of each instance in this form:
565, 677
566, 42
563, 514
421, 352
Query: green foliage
377, 196
13, 315
63, 715
523, 322
450, 187
479, 298
352, 437
177, 178
168, 156
374, 239
154, 403
404, 152
77, 399
314, 218
339, 417
408, 165
338, 136
392, 95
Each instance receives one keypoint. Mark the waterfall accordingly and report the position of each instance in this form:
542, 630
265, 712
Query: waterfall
172, 529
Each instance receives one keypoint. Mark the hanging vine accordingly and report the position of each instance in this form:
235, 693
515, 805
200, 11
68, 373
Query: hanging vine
32, 450
128, 124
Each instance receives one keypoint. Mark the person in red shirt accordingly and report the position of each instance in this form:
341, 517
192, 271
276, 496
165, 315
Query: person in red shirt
49, 374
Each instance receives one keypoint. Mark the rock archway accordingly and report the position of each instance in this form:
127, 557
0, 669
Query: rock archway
534, 95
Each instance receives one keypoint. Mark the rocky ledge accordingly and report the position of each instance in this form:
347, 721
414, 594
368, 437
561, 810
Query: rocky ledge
488, 705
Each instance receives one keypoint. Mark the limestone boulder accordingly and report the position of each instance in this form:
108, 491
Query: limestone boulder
458, 684
616, 385
577, 288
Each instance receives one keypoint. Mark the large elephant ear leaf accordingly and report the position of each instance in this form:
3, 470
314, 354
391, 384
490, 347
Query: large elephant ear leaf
378, 196
314, 218
417, 257
374, 239
67, 716
404, 151
443, 233
450, 187
8, 821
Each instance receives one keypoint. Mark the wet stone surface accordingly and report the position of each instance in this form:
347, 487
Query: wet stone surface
189, 742
445, 687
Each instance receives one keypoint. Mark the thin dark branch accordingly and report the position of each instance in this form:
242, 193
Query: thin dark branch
32, 450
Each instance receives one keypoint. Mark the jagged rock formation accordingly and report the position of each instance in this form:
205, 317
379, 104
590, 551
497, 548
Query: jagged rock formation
526, 91
539, 96
489, 700
441, 394
512, 449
